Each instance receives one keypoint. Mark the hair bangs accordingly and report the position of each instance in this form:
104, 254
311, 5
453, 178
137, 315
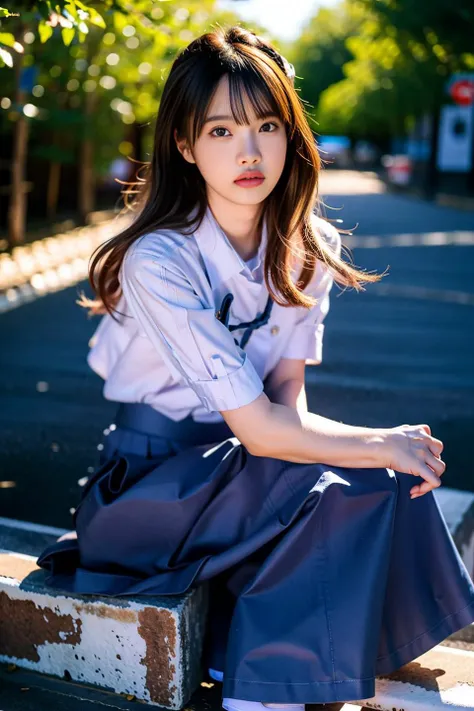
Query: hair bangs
256, 83
248, 84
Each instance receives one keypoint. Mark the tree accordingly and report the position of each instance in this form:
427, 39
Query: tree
106, 82
395, 68
72, 18
443, 27
320, 53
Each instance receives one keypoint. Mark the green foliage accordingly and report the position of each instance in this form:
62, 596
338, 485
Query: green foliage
99, 86
6, 13
72, 17
445, 24
321, 52
396, 58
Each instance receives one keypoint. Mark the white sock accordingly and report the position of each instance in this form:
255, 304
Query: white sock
243, 705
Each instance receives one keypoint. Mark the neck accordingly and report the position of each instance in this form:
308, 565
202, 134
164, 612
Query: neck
239, 223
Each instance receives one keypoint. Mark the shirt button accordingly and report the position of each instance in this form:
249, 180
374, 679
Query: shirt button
274, 330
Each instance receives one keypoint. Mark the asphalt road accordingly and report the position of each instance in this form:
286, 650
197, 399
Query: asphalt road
400, 352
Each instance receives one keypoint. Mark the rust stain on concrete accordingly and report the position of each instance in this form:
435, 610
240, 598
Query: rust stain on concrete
109, 611
25, 627
158, 629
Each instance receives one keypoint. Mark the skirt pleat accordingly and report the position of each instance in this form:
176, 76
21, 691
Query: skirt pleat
321, 577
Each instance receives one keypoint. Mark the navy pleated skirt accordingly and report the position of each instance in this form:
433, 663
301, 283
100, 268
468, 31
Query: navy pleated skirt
321, 577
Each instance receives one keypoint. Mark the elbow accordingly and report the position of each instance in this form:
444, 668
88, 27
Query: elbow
256, 449
251, 424
261, 444
252, 441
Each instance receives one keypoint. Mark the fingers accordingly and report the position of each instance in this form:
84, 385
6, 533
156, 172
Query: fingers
431, 480
426, 458
436, 446
424, 432
420, 490
429, 476
432, 473
436, 464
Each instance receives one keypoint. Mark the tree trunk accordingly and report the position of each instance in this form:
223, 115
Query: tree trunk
17, 203
55, 169
54, 178
86, 162
432, 173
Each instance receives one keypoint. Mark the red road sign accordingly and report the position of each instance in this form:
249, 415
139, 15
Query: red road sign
462, 92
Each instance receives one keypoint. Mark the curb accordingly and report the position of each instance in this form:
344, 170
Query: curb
457, 508
442, 678
457, 202
149, 648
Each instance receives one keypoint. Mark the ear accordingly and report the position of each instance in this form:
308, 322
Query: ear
183, 147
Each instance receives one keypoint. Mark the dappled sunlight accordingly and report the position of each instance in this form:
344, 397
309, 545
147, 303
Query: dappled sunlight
407, 291
350, 182
424, 239
51, 264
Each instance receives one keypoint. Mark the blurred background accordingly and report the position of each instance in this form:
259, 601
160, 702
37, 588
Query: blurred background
388, 87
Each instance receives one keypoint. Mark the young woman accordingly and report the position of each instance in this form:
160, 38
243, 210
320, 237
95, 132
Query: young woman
328, 558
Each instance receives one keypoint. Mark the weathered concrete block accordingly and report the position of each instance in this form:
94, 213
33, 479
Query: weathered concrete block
148, 647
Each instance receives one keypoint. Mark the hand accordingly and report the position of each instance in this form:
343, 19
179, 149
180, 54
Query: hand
70, 535
413, 450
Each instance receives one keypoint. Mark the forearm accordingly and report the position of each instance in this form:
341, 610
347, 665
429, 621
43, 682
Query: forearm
291, 393
305, 437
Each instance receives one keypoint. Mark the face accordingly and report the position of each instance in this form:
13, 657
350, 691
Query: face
225, 150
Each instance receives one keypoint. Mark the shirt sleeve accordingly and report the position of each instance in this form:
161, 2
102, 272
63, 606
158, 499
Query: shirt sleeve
194, 344
306, 339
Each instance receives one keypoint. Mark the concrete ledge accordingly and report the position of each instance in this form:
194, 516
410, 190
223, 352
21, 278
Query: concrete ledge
464, 635
27, 537
458, 510
443, 678
147, 647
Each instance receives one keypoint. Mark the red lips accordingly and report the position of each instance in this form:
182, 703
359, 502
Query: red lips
249, 174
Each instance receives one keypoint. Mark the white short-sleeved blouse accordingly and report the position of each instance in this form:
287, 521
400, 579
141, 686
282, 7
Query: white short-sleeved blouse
169, 350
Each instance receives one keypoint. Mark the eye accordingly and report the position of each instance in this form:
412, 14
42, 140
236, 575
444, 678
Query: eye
270, 123
218, 128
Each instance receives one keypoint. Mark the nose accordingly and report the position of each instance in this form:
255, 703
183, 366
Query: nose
249, 153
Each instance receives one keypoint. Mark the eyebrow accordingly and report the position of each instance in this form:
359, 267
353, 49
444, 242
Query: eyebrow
225, 117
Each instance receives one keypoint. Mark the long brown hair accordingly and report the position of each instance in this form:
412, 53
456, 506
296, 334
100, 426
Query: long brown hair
172, 187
